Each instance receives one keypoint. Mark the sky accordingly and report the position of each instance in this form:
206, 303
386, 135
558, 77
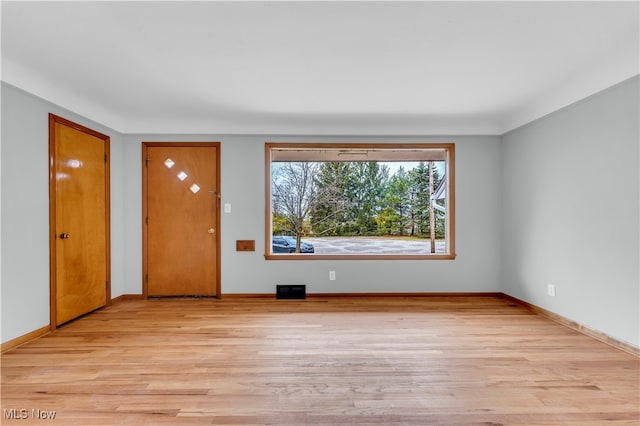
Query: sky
395, 165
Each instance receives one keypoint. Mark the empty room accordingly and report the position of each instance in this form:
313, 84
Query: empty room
319, 212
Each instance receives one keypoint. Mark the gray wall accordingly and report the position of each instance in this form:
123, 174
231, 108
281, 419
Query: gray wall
527, 206
476, 267
570, 194
25, 210
25, 219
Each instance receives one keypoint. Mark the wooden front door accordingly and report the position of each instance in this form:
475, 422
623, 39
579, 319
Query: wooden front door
79, 218
181, 219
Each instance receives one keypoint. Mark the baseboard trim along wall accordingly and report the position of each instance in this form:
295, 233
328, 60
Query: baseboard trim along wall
26, 338
123, 297
321, 295
602, 337
430, 294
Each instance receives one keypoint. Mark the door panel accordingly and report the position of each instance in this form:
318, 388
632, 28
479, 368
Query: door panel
182, 220
80, 220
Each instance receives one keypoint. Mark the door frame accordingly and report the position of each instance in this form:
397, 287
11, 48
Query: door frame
145, 252
53, 120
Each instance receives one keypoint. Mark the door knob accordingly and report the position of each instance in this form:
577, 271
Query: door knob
211, 231
64, 236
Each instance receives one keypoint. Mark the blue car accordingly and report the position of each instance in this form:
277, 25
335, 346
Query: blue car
287, 244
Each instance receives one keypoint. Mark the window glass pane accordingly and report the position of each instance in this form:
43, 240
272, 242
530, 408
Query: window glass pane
360, 201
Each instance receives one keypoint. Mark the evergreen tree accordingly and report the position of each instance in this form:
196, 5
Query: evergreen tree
420, 191
330, 209
397, 198
366, 188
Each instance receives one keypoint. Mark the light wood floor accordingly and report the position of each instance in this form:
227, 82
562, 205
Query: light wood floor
383, 361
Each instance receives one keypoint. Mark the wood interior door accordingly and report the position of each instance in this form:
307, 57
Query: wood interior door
181, 219
79, 216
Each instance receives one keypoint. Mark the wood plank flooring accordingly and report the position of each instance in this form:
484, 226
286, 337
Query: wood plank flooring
335, 361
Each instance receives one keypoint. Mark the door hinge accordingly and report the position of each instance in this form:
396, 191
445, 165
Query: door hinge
146, 161
146, 220
105, 158
146, 277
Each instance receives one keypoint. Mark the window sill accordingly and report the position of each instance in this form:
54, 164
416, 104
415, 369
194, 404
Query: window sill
300, 256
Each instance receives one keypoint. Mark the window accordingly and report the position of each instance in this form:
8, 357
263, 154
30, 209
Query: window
359, 201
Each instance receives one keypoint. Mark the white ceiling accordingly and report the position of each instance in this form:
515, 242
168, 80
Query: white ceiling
319, 68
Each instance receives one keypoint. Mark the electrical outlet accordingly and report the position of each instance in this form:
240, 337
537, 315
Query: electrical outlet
551, 290
227, 208
332, 275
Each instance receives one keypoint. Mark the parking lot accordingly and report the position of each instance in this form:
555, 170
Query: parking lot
372, 245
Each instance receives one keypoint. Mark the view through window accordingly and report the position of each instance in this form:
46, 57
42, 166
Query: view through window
359, 201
